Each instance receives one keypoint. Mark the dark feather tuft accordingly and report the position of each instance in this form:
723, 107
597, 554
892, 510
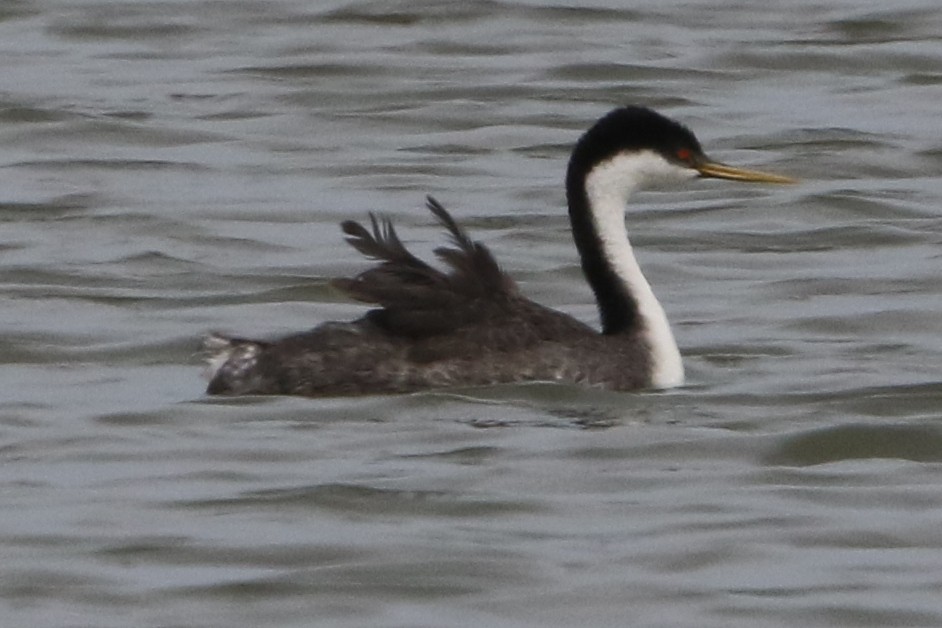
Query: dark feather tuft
414, 297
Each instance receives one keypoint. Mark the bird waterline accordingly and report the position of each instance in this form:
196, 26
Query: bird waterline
471, 326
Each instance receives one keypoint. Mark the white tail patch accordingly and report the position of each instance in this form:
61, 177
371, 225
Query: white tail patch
236, 356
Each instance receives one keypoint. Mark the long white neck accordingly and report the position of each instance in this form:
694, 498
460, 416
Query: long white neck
607, 188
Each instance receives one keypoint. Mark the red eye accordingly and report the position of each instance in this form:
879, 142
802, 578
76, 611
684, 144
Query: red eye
684, 154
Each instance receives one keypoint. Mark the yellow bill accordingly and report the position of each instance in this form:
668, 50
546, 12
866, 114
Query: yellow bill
717, 170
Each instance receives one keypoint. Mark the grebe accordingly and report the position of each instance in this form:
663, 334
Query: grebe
471, 326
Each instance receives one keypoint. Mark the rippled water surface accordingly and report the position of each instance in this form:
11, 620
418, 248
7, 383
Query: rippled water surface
171, 167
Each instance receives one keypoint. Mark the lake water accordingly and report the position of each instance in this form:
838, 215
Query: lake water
173, 167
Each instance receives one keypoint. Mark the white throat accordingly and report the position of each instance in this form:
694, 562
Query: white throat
608, 187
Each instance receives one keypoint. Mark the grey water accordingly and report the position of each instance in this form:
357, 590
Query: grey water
168, 168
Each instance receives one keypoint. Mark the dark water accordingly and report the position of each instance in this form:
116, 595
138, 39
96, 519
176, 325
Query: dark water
167, 168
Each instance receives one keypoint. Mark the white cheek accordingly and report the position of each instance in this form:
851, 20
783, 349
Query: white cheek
627, 172
661, 173
672, 176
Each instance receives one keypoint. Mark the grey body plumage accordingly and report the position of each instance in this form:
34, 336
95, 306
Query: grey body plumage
469, 325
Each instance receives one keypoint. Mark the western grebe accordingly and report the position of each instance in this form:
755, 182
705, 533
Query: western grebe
470, 325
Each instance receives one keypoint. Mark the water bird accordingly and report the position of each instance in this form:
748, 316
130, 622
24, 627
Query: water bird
469, 325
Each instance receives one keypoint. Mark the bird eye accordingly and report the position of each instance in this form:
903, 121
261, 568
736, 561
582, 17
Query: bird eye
684, 154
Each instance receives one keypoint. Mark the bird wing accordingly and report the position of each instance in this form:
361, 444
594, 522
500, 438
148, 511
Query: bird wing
418, 300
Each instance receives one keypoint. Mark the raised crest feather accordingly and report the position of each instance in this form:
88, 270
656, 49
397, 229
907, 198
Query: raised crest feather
402, 283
